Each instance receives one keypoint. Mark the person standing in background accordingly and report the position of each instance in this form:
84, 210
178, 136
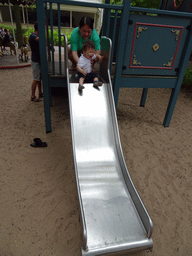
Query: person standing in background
35, 64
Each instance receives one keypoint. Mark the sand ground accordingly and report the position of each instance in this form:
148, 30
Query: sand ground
38, 197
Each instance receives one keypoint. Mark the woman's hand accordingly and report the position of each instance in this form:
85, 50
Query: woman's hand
100, 58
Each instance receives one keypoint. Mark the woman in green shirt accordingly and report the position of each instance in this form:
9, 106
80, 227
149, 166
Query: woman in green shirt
80, 35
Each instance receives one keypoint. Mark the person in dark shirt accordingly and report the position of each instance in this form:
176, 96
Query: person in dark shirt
35, 64
6, 38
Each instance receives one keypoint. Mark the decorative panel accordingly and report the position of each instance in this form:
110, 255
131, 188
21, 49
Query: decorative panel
154, 45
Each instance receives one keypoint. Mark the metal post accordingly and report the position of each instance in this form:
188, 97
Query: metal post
105, 18
71, 19
13, 32
59, 36
27, 20
44, 67
121, 47
23, 14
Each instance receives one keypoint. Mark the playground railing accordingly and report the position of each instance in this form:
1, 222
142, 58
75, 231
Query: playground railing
110, 10
111, 20
119, 24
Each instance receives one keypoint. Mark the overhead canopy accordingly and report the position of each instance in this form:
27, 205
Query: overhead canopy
76, 8
19, 2
98, 12
32, 2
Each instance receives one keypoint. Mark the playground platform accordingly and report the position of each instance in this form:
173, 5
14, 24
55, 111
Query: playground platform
10, 61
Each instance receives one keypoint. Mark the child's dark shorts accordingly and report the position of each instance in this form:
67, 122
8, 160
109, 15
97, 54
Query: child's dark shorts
89, 77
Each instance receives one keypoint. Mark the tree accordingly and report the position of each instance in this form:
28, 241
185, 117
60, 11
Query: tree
19, 34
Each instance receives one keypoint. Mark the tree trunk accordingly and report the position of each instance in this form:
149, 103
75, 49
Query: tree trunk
19, 34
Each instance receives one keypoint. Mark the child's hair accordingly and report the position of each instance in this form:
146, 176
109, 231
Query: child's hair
86, 21
87, 45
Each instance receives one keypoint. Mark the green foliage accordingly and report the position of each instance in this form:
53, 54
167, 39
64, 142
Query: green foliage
28, 33
32, 7
146, 3
117, 2
68, 37
187, 80
179, 2
9, 28
30, 30
56, 37
139, 3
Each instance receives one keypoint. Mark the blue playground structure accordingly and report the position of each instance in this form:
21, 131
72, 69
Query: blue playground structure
151, 48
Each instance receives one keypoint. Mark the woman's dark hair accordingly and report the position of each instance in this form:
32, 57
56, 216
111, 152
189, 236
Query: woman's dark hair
86, 21
87, 45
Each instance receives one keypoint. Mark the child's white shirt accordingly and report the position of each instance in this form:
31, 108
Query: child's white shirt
85, 63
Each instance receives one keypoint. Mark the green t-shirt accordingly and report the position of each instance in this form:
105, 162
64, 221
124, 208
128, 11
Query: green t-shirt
77, 41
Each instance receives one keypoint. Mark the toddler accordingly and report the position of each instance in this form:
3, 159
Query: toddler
84, 65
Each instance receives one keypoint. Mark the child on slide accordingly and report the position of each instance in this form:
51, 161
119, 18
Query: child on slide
84, 65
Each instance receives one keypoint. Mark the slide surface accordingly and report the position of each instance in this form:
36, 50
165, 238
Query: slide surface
113, 216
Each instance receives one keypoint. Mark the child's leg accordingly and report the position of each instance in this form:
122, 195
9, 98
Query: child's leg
96, 82
81, 81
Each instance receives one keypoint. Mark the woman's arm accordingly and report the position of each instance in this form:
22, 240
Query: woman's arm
75, 56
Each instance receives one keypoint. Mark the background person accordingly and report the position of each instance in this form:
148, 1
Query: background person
1, 32
35, 63
79, 36
6, 38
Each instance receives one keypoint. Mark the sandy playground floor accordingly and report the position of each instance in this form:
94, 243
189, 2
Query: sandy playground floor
39, 204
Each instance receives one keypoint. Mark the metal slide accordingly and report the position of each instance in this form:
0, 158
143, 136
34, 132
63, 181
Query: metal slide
114, 218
